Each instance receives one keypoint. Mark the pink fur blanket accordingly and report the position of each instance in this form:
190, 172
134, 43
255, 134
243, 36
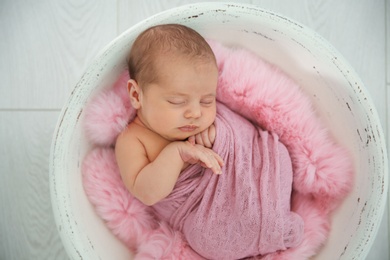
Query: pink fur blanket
245, 211
258, 91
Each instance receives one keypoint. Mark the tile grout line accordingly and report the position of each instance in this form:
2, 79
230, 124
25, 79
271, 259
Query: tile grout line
30, 109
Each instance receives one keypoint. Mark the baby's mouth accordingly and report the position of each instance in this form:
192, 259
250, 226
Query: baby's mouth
188, 128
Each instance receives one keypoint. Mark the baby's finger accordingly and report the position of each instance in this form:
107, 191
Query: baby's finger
219, 159
198, 139
209, 161
206, 139
206, 160
212, 133
219, 162
191, 140
215, 161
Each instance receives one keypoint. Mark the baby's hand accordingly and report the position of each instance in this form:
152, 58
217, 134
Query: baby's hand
207, 158
205, 138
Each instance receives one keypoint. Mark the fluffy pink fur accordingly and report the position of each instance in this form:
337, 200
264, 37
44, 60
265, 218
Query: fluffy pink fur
260, 92
270, 98
109, 113
127, 217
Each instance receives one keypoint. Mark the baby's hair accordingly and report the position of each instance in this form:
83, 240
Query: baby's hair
160, 40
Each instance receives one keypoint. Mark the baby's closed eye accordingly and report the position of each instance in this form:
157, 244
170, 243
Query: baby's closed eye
207, 101
176, 101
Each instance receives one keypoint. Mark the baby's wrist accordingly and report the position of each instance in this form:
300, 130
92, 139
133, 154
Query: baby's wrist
178, 146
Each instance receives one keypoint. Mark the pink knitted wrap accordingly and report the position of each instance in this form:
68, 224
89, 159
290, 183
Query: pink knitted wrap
245, 211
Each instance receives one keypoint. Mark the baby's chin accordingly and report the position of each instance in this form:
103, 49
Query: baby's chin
181, 139
177, 138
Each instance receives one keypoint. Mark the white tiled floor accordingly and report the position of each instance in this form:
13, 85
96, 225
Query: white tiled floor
45, 48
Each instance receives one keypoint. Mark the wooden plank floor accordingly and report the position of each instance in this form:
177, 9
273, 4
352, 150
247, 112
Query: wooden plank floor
46, 46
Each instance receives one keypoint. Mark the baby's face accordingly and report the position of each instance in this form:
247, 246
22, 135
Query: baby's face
183, 101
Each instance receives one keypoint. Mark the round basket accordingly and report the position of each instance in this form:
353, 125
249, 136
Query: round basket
335, 89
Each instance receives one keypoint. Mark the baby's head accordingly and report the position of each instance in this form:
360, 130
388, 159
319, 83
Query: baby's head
157, 46
173, 81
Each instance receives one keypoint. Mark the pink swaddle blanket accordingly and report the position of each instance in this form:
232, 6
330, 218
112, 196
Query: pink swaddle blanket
245, 211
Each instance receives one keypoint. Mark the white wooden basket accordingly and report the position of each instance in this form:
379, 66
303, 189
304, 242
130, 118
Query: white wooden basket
336, 90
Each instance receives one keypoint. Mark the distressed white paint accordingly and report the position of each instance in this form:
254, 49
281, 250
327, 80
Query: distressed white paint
338, 93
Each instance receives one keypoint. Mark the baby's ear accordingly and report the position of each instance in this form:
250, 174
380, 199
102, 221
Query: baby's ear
134, 93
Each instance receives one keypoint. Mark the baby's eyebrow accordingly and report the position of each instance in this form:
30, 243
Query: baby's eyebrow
176, 95
179, 94
209, 95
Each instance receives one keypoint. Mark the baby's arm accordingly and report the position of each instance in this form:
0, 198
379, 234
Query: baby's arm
150, 182
205, 138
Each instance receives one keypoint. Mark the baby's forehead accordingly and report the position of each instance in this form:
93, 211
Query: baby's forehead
178, 63
184, 58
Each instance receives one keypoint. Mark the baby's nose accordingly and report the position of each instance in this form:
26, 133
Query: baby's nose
194, 111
